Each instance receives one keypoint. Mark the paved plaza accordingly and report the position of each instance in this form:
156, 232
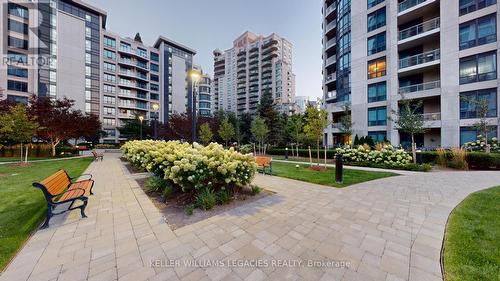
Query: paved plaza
388, 229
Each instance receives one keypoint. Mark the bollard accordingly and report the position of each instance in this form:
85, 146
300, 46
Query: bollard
419, 159
339, 169
286, 153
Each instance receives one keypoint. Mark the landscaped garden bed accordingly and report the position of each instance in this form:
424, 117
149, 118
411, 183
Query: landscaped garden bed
192, 177
22, 207
325, 176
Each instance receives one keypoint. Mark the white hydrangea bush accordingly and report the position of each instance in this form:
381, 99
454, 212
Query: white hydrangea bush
192, 167
387, 155
480, 144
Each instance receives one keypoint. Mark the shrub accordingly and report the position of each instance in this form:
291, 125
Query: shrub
189, 210
458, 160
480, 144
246, 148
255, 190
441, 159
168, 192
155, 184
206, 199
388, 155
224, 197
475, 160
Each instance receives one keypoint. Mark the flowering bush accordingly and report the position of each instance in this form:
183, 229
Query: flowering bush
480, 144
386, 155
192, 168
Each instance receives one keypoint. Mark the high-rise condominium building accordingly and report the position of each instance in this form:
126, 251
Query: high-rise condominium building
440, 54
253, 66
61, 48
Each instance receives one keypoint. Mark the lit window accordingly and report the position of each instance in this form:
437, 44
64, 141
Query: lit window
376, 68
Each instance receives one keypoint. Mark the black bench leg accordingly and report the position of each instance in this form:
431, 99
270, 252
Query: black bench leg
83, 206
47, 219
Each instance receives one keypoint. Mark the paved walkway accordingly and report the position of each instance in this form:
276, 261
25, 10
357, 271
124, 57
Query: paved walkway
388, 229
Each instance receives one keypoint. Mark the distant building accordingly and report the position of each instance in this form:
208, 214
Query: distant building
205, 103
301, 103
253, 66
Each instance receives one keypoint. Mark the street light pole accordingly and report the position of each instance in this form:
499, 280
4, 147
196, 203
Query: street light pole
155, 108
141, 118
195, 77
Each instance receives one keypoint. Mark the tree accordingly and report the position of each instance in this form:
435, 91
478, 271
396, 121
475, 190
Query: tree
482, 126
206, 134
409, 121
226, 131
294, 127
259, 130
131, 129
346, 122
245, 122
271, 116
17, 126
316, 121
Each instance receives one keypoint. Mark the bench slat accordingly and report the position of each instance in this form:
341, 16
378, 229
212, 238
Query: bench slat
57, 182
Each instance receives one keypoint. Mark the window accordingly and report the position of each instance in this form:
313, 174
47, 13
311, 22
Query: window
143, 53
17, 99
154, 96
376, 19
109, 66
376, 68
125, 47
154, 56
468, 134
469, 102
109, 77
373, 3
377, 92
18, 11
109, 121
377, 116
154, 87
109, 89
88, 71
469, 6
481, 67
17, 86
378, 136
17, 71
376, 43
109, 42
16, 26
110, 132
88, 95
154, 77
17, 43
154, 67
478, 32
109, 55
109, 111
17, 58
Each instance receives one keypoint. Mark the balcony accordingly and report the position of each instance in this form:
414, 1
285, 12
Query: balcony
420, 59
331, 95
330, 9
405, 5
331, 26
419, 29
134, 52
330, 78
330, 60
431, 116
478, 77
420, 87
332, 42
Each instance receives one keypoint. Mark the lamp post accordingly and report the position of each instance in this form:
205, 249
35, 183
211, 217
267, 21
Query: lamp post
155, 108
141, 118
195, 76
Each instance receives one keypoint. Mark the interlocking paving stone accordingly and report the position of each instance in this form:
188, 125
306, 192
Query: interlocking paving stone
389, 229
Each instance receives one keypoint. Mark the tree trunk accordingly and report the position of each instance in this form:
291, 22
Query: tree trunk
413, 149
317, 150
487, 147
26, 153
53, 144
21, 151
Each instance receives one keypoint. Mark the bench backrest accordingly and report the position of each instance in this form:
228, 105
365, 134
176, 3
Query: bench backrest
57, 182
263, 161
94, 153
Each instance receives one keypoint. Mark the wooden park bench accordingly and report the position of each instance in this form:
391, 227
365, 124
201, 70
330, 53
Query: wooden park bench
265, 162
97, 156
58, 189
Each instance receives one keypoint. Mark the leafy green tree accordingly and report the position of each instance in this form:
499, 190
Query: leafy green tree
316, 121
481, 125
131, 129
260, 130
17, 126
245, 125
226, 131
409, 120
295, 128
271, 116
206, 134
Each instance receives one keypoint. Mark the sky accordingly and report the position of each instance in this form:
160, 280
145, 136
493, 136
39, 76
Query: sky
205, 25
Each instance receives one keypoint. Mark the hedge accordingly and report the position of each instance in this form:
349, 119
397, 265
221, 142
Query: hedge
476, 160
35, 150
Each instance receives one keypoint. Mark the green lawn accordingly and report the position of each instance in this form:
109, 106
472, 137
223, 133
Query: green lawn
472, 242
22, 207
325, 177
18, 159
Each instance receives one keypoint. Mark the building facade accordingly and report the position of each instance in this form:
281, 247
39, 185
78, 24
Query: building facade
253, 66
439, 54
61, 48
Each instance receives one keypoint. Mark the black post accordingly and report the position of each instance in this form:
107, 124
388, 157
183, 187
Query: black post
286, 153
155, 128
339, 169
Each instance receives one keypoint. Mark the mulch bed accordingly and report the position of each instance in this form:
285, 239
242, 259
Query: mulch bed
131, 168
19, 165
173, 208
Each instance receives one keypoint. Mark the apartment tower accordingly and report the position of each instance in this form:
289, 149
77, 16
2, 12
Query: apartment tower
253, 66
440, 54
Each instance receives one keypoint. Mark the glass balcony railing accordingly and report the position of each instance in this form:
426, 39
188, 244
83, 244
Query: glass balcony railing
331, 25
420, 87
330, 9
419, 28
436, 116
331, 60
419, 59
405, 5
330, 43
